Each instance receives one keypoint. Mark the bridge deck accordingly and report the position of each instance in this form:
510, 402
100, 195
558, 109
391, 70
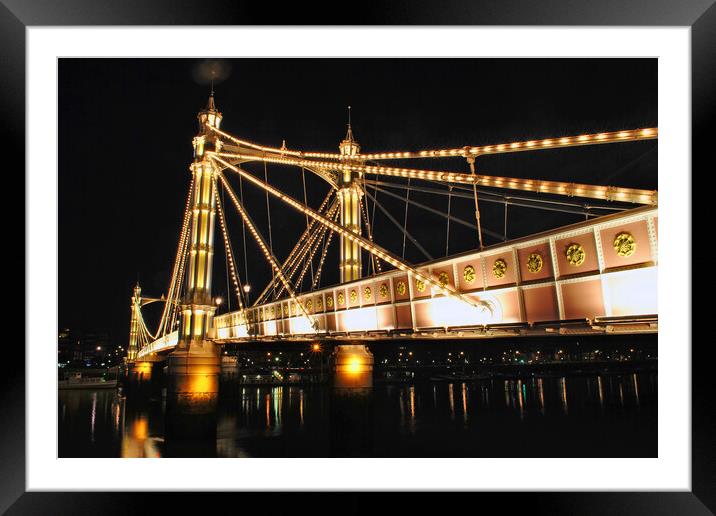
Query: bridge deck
529, 284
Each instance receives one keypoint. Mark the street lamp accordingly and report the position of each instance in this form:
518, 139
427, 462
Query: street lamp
247, 289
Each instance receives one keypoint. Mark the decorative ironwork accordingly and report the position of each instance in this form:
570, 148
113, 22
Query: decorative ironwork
468, 274
309, 304
329, 301
354, 296
319, 303
341, 298
534, 263
443, 278
383, 291
499, 268
367, 294
400, 288
624, 244
420, 285
575, 255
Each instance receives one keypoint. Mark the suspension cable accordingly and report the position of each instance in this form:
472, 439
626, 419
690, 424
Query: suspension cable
440, 213
375, 262
405, 220
243, 231
266, 251
176, 275
406, 233
314, 249
609, 193
226, 262
305, 201
501, 199
505, 235
298, 249
447, 233
268, 215
326, 246
227, 246
310, 248
628, 135
428, 278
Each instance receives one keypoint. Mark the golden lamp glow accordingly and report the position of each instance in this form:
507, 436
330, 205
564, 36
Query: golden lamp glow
354, 365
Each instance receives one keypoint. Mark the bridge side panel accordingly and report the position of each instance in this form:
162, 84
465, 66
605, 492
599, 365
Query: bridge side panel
541, 303
583, 298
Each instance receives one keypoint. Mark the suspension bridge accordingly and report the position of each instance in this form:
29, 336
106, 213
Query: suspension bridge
595, 276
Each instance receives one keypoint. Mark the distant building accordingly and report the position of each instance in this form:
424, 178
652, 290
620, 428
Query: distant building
78, 348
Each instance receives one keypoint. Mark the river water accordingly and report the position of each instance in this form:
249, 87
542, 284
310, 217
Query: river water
607, 415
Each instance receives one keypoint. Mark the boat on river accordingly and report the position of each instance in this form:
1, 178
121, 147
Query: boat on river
77, 381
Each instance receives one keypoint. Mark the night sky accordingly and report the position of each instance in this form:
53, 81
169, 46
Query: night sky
126, 126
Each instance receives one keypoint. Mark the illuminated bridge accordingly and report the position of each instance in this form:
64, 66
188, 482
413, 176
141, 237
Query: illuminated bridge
596, 276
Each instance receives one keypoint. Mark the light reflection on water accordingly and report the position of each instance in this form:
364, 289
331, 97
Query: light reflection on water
597, 415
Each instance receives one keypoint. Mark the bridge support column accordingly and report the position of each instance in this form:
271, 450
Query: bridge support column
353, 366
194, 379
144, 375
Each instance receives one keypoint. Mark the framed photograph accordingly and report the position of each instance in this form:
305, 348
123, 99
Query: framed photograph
362, 258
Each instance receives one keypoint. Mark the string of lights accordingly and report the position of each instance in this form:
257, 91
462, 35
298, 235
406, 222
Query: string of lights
306, 248
609, 193
380, 252
227, 246
648, 133
314, 248
177, 276
296, 248
262, 245
317, 279
376, 262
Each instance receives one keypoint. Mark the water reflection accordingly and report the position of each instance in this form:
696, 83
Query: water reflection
611, 412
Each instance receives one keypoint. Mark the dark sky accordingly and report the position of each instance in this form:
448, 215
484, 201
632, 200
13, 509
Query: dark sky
126, 126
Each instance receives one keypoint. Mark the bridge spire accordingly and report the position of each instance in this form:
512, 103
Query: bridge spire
349, 195
134, 323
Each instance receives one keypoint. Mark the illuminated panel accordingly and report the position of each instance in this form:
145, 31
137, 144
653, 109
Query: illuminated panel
360, 319
469, 275
386, 318
420, 288
301, 325
540, 304
590, 263
445, 311
404, 318
641, 252
583, 299
631, 292
530, 273
500, 275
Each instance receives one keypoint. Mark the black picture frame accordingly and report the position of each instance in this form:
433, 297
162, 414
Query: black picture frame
699, 15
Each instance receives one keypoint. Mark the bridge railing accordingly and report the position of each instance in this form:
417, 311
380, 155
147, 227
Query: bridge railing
605, 267
162, 344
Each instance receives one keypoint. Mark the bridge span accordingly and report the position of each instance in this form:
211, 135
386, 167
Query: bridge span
597, 276
592, 277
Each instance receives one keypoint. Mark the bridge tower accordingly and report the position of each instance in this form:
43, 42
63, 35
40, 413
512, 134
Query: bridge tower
134, 324
349, 195
353, 362
194, 366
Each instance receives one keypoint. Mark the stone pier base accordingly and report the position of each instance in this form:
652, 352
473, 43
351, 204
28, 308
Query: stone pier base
193, 386
353, 366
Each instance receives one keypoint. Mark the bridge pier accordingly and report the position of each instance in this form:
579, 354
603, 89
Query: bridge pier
353, 366
144, 374
193, 373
